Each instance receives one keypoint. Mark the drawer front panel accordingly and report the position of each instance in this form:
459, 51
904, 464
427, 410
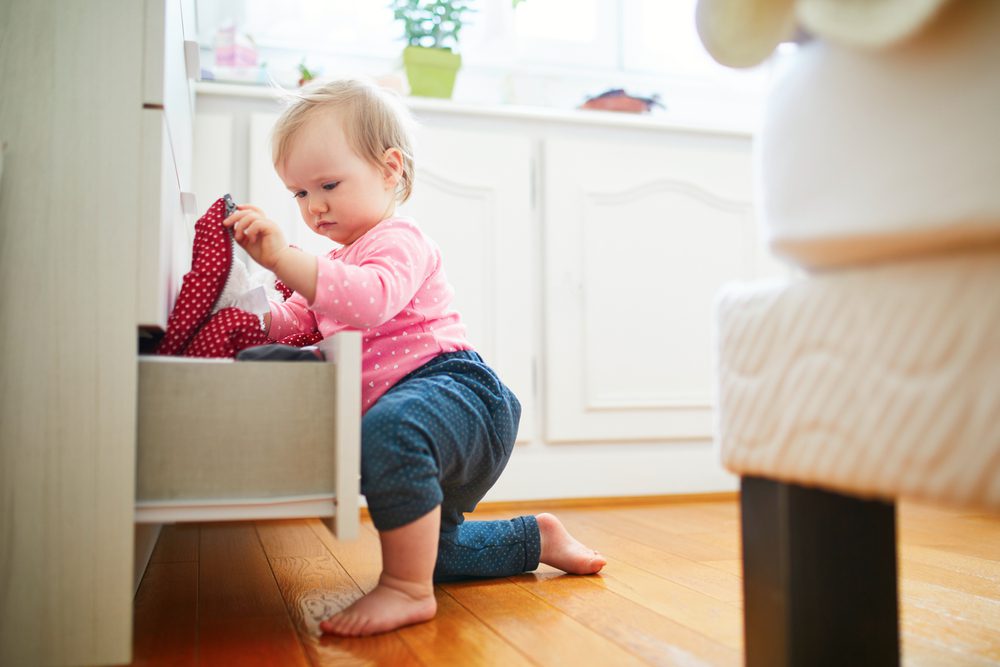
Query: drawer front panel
211, 429
161, 223
166, 83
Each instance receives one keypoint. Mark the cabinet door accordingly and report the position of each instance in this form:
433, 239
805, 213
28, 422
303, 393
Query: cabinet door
639, 235
472, 195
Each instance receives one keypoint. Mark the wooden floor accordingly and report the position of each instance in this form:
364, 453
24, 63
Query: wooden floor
251, 594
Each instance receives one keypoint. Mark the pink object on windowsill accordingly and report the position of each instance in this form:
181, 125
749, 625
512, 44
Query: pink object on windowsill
617, 99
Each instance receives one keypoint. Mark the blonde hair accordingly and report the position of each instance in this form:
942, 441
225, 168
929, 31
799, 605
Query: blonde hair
374, 118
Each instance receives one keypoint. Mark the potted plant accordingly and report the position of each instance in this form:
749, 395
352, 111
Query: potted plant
431, 29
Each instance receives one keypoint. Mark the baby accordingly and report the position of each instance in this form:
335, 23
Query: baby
438, 425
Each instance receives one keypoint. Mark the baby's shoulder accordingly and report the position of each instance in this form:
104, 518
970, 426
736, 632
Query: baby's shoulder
399, 226
397, 231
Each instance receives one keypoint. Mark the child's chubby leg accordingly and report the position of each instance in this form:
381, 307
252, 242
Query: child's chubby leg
562, 551
405, 591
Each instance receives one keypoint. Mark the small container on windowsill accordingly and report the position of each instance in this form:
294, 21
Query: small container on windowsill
617, 99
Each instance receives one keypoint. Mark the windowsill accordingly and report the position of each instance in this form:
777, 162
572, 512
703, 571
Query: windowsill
657, 120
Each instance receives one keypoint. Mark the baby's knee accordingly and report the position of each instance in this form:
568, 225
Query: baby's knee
396, 450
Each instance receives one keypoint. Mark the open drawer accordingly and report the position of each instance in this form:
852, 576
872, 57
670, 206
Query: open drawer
220, 440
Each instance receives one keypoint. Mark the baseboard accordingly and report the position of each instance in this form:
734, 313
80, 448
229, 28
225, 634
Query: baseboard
584, 503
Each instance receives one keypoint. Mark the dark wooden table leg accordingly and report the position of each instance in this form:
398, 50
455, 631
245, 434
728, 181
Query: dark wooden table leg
819, 577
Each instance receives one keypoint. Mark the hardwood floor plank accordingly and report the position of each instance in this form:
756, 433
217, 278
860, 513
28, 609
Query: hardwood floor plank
919, 651
633, 625
699, 547
699, 577
975, 535
681, 519
165, 632
289, 538
720, 622
956, 619
177, 543
456, 638
649, 577
249, 641
733, 566
544, 633
235, 578
947, 578
965, 568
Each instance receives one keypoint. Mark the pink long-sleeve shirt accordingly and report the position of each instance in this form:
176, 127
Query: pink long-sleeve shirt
390, 285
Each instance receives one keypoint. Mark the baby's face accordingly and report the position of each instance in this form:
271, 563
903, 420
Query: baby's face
340, 195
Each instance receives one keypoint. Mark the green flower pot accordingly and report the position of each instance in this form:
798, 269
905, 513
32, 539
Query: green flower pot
431, 72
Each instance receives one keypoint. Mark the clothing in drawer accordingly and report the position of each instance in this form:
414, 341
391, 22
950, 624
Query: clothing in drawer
223, 440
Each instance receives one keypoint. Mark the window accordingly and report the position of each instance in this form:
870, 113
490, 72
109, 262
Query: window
541, 45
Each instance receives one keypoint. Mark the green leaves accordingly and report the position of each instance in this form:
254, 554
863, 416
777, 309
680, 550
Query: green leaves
432, 23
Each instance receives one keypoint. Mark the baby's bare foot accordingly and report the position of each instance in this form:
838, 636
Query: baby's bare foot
562, 550
390, 605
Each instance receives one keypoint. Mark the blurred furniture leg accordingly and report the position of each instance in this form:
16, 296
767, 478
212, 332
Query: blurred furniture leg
819, 577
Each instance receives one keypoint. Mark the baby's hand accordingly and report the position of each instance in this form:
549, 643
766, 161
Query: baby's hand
257, 234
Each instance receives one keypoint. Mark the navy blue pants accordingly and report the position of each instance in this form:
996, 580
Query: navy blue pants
442, 436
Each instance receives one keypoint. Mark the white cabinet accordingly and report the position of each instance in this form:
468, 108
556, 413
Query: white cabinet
472, 195
639, 235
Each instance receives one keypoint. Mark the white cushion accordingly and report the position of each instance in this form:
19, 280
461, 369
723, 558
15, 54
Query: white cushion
869, 155
878, 381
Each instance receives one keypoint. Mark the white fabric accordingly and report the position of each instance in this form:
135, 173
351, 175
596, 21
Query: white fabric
246, 291
879, 381
872, 155
743, 33
866, 23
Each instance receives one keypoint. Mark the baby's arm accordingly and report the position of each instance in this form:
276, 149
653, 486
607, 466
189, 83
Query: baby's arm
263, 240
290, 317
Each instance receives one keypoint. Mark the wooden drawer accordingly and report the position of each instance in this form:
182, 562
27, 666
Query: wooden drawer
168, 74
225, 440
163, 228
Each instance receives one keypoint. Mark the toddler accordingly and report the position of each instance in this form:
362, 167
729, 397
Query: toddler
438, 425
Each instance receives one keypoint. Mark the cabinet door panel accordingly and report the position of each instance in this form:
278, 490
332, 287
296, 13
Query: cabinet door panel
472, 196
639, 238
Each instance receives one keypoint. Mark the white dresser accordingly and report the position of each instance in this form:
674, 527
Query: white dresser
96, 117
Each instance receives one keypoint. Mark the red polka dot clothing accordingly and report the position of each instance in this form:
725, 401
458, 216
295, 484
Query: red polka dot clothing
192, 329
389, 285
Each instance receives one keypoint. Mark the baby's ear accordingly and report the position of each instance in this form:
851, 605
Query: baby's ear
392, 165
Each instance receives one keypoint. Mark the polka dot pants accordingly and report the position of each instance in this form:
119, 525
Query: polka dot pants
442, 436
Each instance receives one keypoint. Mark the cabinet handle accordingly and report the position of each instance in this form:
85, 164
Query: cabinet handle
192, 59
188, 204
